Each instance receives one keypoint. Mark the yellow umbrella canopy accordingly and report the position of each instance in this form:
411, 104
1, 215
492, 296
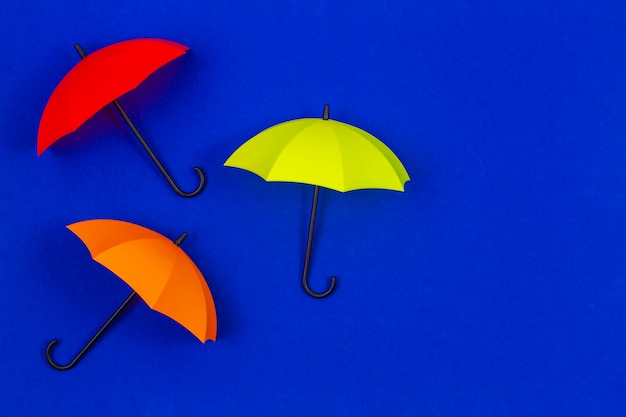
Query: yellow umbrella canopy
324, 153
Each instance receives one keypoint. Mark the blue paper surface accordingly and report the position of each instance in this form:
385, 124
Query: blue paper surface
494, 285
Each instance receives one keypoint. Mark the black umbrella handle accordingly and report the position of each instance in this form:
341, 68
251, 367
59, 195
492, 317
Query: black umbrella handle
152, 155
95, 337
307, 255
309, 242
156, 161
90, 343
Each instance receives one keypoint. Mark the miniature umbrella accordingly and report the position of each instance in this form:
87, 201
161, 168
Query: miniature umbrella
325, 153
101, 78
155, 268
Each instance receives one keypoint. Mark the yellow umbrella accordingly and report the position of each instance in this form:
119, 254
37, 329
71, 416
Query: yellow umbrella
323, 153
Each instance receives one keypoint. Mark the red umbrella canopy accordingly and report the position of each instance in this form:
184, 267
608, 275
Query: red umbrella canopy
97, 80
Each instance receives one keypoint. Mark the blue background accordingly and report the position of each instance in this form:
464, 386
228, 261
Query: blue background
494, 285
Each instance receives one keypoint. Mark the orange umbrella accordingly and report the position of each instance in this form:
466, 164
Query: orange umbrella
155, 268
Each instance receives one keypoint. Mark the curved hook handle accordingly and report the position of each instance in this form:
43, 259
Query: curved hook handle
156, 161
178, 190
307, 255
312, 293
56, 365
80, 354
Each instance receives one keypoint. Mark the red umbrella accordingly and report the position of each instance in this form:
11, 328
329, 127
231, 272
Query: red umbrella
101, 78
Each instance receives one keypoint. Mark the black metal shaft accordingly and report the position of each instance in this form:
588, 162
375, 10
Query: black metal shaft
154, 158
90, 343
307, 255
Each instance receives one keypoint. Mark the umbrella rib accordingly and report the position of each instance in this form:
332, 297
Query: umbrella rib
341, 161
118, 273
155, 304
152, 303
278, 157
384, 153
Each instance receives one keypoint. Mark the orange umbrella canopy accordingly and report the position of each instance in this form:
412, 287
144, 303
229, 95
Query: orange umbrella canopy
156, 268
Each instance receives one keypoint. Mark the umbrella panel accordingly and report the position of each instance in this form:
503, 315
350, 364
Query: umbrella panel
158, 270
319, 152
97, 80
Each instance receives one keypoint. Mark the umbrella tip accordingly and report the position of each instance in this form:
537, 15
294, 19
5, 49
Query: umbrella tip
180, 239
80, 50
326, 113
